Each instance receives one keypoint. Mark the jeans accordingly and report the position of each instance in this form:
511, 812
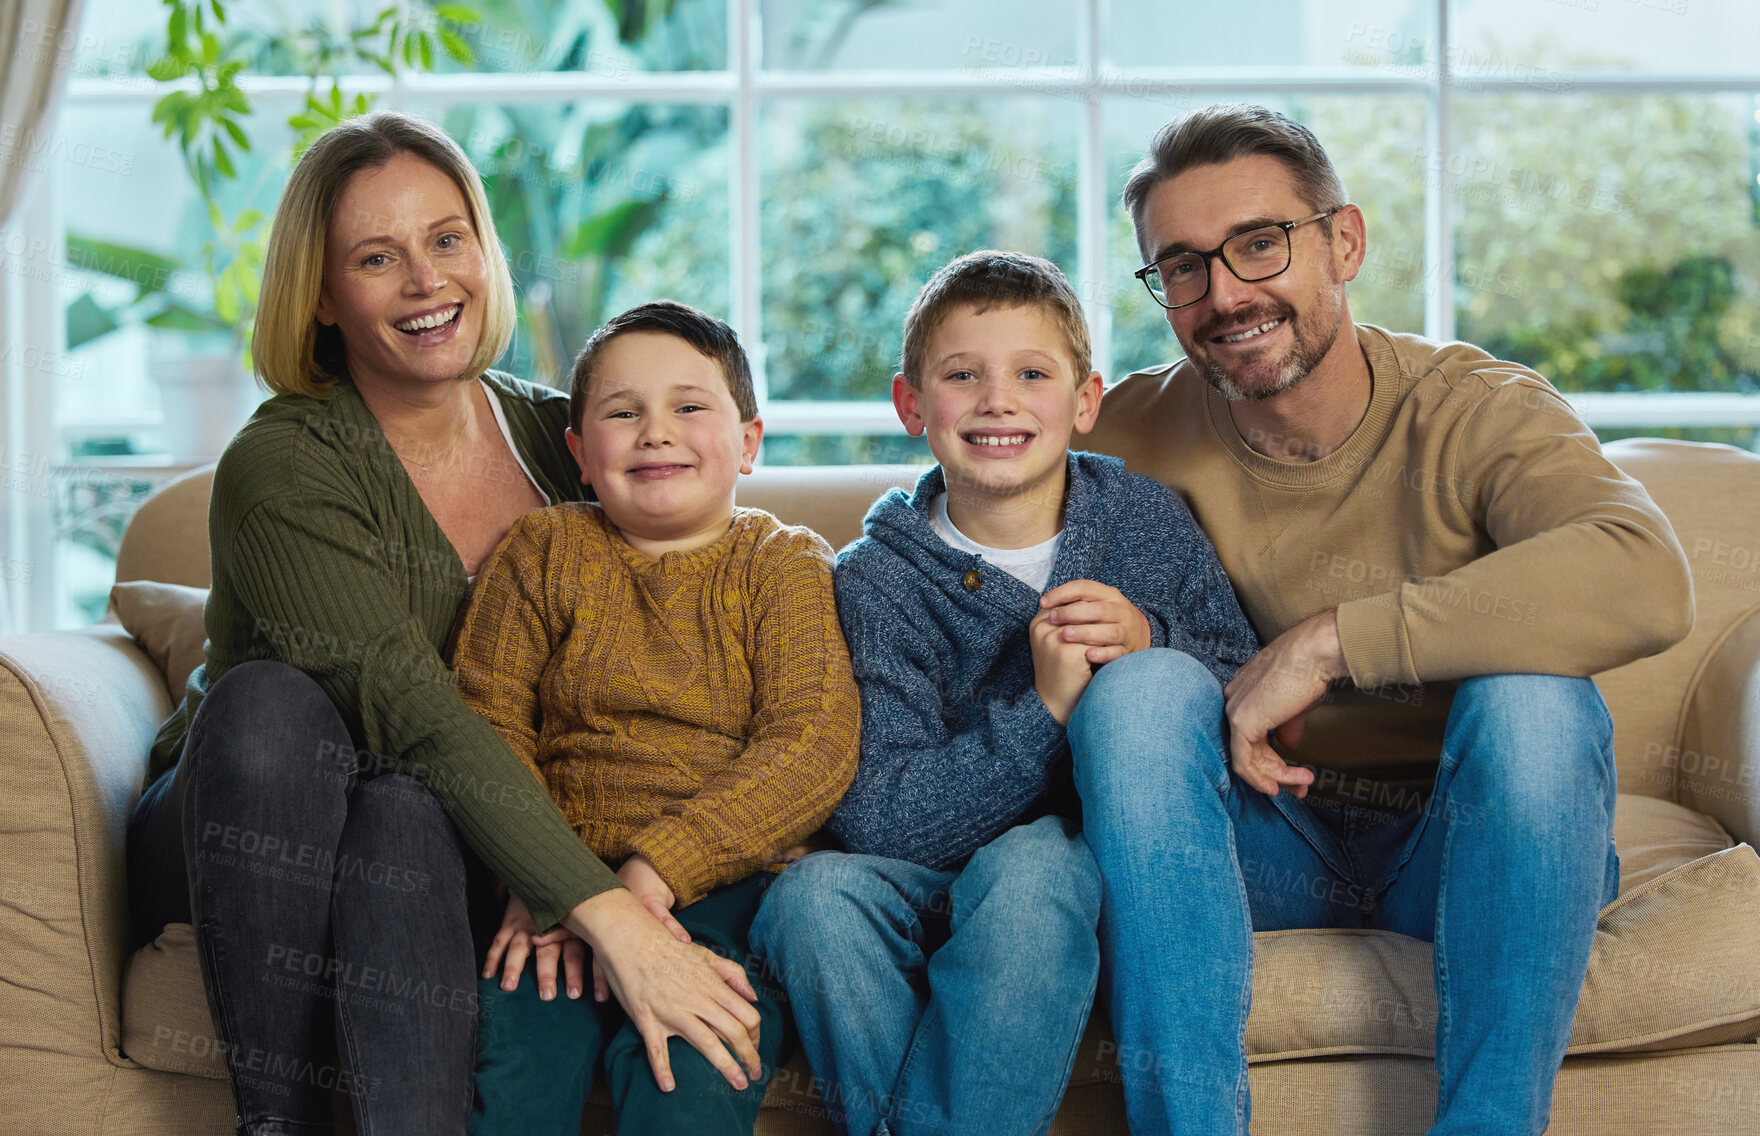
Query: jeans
1505, 870
940, 1002
330, 913
536, 1059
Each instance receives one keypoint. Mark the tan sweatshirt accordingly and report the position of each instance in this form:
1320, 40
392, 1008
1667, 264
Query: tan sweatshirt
1468, 526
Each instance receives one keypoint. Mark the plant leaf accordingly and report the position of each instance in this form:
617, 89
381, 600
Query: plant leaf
149, 271
182, 317
87, 320
456, 46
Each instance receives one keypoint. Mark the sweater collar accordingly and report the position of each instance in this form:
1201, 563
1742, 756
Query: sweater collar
901, 523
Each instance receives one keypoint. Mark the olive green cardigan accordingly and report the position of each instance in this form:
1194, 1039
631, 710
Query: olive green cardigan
325, 558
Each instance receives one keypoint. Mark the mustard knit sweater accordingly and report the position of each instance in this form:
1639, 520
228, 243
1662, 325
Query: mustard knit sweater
698, 709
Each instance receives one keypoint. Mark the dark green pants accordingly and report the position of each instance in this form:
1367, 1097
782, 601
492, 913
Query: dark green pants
536, 1059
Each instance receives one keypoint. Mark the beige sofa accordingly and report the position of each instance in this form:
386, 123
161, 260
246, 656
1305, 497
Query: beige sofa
1341, 1031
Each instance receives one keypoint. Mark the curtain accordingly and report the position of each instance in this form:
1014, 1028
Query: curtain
37, 42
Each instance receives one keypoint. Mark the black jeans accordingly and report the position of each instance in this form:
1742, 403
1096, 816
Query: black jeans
330, 906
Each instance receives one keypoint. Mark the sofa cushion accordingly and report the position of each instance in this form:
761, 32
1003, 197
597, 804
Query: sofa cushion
1673, 966
1656, 837
166, 1024
166, 620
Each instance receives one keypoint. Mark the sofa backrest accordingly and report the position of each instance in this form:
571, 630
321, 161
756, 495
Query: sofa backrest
1710, 493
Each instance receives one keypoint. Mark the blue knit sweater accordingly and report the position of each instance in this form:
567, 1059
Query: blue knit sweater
956, 745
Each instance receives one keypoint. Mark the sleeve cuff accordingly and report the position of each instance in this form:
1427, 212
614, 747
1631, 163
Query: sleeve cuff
1372, 635
677, 855
548, 915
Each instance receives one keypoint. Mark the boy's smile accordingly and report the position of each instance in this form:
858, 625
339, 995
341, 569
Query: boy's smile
661, 442
998, 400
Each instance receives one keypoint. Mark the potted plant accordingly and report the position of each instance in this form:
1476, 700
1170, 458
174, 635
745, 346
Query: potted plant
201, 313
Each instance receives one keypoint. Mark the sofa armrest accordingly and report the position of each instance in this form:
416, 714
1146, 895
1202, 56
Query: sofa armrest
1718, 768
78, 711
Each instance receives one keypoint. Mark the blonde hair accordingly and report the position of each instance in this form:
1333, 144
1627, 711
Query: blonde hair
292, 352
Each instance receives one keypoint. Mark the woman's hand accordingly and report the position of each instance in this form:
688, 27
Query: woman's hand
671, 988
518, 939
645, 883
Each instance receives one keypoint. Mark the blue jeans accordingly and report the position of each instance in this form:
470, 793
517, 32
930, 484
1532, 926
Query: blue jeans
940, 1002
1505, 870
330, 909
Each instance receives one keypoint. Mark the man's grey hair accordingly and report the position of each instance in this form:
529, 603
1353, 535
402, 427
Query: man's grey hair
1222, 133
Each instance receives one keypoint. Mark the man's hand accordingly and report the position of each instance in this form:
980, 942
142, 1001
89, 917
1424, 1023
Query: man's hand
1060, 669
1097, 616
1272, 694
518, 939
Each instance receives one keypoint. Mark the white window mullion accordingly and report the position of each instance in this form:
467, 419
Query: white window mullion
35, 356
744, 260
1092, 209
1438, 216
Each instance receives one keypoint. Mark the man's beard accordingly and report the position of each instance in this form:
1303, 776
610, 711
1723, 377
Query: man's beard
1297, 364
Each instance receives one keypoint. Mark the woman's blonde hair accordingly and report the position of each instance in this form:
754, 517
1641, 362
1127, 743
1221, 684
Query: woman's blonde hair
291, 351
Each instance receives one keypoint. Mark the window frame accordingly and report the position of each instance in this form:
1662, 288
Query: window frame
26, 415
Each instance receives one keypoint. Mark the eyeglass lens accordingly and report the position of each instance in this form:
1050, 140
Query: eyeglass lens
1254, 255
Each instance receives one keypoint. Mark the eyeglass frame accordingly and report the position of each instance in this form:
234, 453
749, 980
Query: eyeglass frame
1217, 254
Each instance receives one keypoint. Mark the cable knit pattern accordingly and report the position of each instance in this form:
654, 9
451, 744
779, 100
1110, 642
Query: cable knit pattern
698, 709
956, 744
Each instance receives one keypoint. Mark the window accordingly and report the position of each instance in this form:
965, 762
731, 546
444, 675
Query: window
1573, 185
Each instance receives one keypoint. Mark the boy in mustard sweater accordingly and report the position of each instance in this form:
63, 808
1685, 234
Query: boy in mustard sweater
671, 668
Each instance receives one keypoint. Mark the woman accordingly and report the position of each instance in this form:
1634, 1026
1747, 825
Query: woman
305, 801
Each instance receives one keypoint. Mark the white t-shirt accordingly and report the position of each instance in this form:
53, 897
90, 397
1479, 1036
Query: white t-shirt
1030, 565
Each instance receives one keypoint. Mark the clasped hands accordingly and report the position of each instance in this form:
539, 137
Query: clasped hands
1084, 624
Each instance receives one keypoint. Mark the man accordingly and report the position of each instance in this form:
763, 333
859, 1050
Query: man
1436, 555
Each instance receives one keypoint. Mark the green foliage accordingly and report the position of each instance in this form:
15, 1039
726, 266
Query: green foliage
211, 124
869, 199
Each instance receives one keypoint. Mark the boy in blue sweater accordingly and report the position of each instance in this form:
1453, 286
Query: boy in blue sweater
942, 968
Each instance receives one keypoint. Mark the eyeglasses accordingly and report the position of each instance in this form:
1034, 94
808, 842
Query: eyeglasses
1257, 254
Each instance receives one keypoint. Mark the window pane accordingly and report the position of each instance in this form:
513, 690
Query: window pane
815, 35
1507, 38
865, 199
593, 36
1375, 143
600, 206
139, 290
1395, 36
279, 37
846, 449
1604, 265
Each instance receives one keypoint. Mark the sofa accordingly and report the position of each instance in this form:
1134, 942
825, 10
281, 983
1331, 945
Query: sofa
1667, 1035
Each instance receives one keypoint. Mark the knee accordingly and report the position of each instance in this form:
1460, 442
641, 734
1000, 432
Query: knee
1034, 872
1148, 724
1531, 741
273, 723
1171, 681
809, 895
394, 823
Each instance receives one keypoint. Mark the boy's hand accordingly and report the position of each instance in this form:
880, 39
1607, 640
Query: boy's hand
645, 883
518, 939
1060, 669
1097, 616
